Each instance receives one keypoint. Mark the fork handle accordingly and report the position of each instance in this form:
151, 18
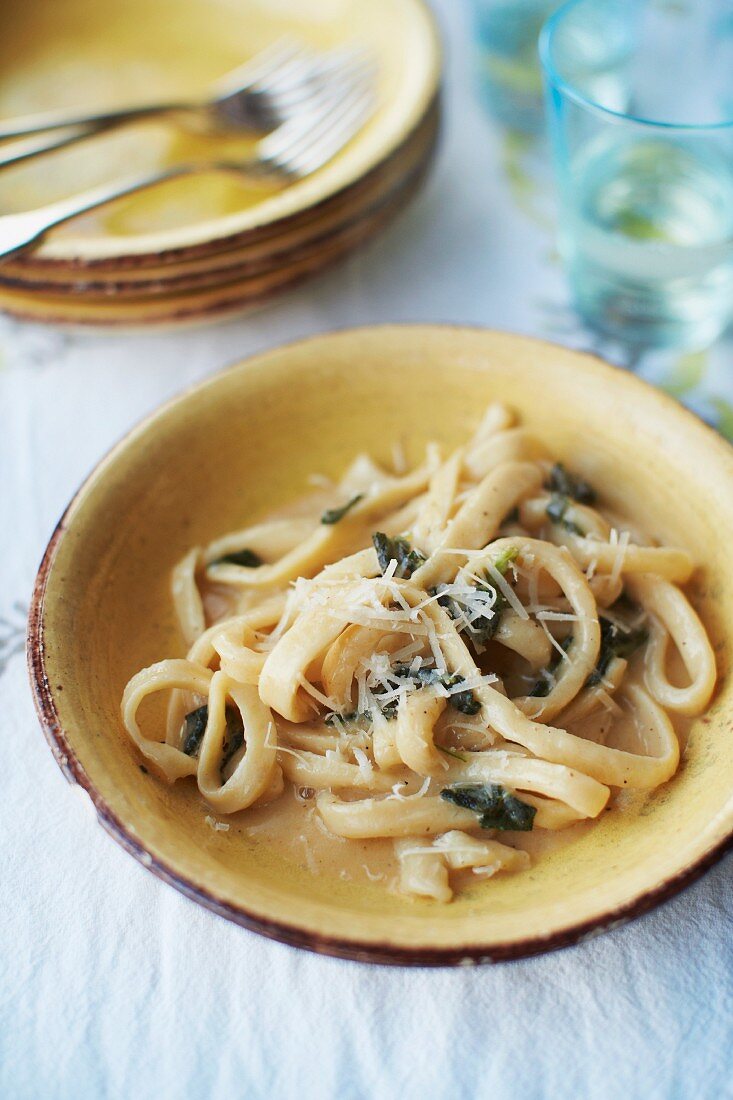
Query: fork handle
19, 232
28, 148
59, 120
247, 77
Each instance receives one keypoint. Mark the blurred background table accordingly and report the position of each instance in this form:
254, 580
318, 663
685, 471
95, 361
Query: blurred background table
112, 984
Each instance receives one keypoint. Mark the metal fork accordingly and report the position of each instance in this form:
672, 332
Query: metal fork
295, 149
266, 91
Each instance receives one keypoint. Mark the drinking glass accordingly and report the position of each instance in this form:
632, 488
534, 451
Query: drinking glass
640, 109
506, 34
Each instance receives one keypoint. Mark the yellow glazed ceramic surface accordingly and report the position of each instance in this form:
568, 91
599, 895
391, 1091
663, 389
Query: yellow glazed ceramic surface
110, 52
102, 610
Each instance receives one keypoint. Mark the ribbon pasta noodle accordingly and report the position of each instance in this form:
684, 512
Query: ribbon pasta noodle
438, 662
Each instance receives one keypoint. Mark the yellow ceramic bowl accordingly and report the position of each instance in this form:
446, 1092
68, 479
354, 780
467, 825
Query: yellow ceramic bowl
246, 440
107, 53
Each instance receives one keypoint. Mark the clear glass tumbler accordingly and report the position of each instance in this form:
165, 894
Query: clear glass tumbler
506, 33
640, 107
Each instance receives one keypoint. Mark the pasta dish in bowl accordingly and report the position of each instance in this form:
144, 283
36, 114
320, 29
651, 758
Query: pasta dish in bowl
449, 695
471, 672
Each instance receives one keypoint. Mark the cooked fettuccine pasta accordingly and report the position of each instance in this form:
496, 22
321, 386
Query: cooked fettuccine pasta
418, 670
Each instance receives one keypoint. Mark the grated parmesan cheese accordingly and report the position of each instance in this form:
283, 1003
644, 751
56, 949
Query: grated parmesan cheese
278, 747
621, 543
553, 641
406, 797
365, 765
313, 691
403, 655
487, 870
434, 643
507, 591
608, 702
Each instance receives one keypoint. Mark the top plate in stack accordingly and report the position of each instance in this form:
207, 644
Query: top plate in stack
198, 246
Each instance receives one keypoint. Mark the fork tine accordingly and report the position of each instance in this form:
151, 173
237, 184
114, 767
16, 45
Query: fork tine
297, 147
291, 135
282, 83
259, 69
343, 58
310, 71
322, 87
337, 102
329, 143
297, 71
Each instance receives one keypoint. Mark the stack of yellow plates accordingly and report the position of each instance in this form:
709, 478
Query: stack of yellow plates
194, 248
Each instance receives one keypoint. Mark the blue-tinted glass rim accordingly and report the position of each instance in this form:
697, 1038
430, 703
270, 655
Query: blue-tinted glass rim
556, 80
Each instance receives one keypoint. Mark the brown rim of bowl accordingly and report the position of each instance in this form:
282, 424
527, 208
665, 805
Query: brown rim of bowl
234, 296
224, 241
100, 291
355, 950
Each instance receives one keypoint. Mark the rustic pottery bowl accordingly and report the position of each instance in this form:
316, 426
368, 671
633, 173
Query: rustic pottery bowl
246, 440
108, 52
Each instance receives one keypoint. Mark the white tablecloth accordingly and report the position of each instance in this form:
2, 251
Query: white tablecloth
114, 985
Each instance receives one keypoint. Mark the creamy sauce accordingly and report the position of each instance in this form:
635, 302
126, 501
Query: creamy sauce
292, 825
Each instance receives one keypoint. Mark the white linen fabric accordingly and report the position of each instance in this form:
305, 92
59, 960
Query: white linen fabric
114, 985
